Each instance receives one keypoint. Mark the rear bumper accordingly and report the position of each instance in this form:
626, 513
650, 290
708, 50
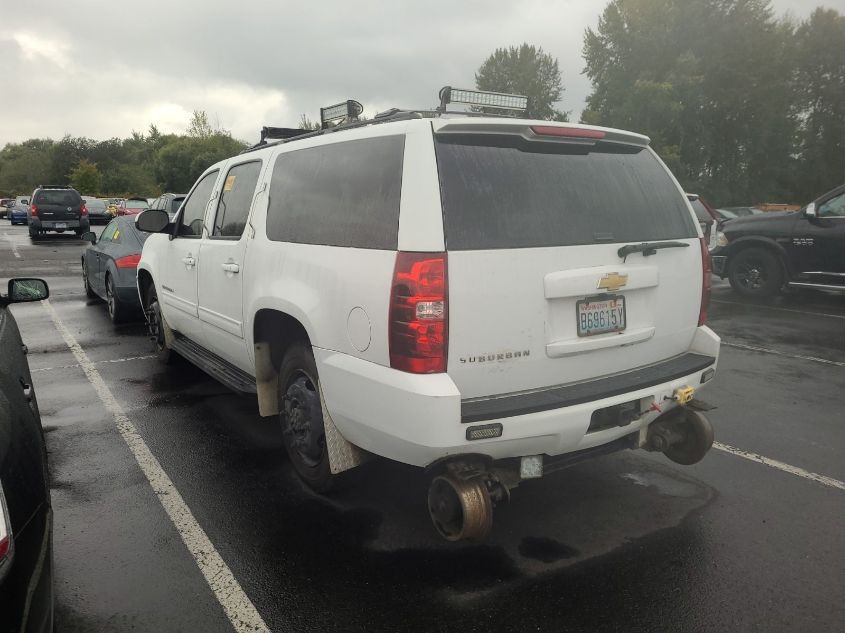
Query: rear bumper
418, 419
50, 225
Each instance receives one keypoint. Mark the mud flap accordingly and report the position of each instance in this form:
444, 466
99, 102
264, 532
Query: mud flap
343, 455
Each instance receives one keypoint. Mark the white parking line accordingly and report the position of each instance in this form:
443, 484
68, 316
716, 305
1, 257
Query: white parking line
98, 362
773, 463
14, 248
241, 612
765, 350
763, 307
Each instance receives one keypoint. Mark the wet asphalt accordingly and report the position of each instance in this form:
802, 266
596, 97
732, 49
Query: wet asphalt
626, 542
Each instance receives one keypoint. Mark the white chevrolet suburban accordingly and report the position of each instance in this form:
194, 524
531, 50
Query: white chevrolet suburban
490, 298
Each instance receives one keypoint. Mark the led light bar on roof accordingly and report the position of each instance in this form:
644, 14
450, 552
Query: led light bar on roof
347, 109
499, 100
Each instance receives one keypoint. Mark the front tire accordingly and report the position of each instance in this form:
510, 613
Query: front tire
755, 273
117, 311
301, 416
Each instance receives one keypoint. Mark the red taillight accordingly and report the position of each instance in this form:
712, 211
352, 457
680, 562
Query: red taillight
5, 529
419, 322
129, 261
83, 210
571, 132
34, 210
706, 270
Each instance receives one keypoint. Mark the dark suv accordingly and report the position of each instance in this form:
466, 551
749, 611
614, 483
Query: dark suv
57, 208
760, 254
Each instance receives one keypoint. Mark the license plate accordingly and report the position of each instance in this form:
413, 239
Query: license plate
600, 315
60, 225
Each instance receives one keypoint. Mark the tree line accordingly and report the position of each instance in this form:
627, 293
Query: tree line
145, 164
743, 105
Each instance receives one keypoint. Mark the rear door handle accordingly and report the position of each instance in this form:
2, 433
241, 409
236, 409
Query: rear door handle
231, 267
189, 261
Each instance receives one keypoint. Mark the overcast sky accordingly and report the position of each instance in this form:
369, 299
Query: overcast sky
101, 69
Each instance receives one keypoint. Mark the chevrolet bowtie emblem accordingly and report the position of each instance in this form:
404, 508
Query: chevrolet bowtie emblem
612, 281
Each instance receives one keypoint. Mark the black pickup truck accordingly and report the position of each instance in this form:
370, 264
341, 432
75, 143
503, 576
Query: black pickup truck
761, 254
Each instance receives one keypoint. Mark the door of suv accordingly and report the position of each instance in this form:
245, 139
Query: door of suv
179, 285
220, 298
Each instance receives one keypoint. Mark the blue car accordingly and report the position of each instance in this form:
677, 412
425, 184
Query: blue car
17, 214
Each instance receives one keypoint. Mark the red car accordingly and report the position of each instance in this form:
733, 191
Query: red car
132, 206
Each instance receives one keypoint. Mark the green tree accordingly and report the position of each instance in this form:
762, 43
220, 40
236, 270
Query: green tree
710, 81
85, 177
525, 70
182, 160
24, 166
199, 127
821, 92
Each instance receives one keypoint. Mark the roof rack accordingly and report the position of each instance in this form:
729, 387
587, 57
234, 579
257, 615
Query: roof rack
347, 113
54, 187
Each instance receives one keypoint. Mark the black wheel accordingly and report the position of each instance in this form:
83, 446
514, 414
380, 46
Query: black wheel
755, 272
698, 438
117, 311
89, 292
155, 326
301, 416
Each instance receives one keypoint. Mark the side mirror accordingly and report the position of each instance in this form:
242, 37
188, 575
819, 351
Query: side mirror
810, 210
152, 221
89, 236
22, 290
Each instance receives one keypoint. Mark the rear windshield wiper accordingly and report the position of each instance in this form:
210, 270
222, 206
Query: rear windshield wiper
647, 248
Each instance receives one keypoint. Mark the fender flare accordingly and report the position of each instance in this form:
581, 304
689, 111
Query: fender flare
763, 241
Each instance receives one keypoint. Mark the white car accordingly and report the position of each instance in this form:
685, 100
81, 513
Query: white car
490, 298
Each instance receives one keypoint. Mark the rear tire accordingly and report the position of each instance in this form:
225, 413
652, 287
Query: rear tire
301, 416
117, 311
156, 325
755, 273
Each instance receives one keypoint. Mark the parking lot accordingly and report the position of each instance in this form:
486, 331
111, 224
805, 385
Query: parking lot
177, 510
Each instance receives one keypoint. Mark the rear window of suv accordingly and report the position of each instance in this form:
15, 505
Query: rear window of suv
504, 192
57, 196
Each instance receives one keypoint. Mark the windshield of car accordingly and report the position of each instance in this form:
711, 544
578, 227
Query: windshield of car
504, 193
137, 204
95, 204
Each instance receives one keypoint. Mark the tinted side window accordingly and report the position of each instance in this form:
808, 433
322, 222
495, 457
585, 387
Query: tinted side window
192, 217
236, 199
503, 192
343, 194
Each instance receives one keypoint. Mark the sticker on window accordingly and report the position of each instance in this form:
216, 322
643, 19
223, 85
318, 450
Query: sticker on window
230, 182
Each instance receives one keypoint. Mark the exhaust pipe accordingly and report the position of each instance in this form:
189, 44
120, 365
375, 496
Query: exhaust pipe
460, 508
683, 435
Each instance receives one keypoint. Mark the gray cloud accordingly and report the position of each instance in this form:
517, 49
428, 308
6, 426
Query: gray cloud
103, 69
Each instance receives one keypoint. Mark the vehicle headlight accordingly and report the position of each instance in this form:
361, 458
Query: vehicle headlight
721, 239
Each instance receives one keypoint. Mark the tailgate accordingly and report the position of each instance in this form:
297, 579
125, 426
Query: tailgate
538, 292
58, 206
516, 326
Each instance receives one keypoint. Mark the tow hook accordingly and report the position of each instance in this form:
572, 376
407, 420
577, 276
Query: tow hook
683, 435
